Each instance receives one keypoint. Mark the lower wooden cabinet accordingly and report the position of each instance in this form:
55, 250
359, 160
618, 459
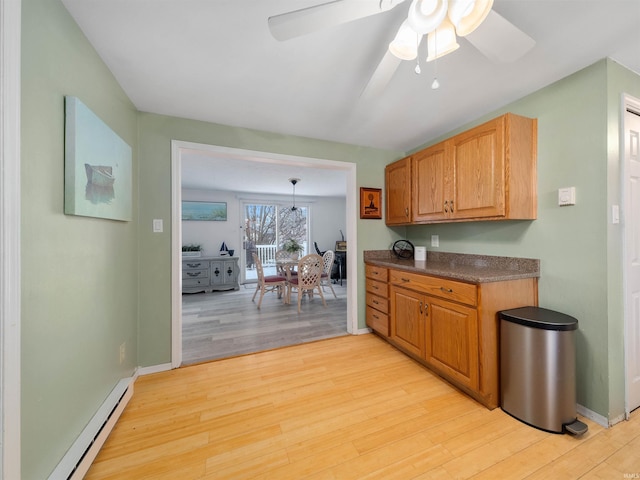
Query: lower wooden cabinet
452, 340
452, 326
407, 320
377, 316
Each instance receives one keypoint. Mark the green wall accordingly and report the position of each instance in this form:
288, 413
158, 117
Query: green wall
156, 133
579, 250
88, 285
79, 275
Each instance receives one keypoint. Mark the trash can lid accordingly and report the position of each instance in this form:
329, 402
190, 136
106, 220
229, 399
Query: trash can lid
542, 318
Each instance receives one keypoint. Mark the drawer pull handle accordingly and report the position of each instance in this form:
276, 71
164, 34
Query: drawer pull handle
446, 206
193, 265
376, 317
421, 312
194, 274
375, 273
406, 211
446, 290
404, 279
376, 302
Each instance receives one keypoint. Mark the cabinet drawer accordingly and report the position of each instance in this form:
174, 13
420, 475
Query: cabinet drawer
195, 282
195, 265
378, 321
378, 273
195, 274
379, 303
439, 287
377, 288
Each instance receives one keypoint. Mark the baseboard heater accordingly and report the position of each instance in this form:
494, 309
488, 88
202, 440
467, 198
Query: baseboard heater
76, 462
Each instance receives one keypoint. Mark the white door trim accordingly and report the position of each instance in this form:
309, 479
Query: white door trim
177, 147
10, 30
628, 102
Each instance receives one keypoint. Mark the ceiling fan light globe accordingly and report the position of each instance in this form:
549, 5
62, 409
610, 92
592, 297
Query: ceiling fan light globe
442, 41
470, 22
459, 9
405, 44
426, 15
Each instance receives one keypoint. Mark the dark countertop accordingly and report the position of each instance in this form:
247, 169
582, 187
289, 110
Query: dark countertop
460, 266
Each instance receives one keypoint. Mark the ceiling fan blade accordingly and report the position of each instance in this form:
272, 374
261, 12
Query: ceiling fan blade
307, 20
381, 76
500, 40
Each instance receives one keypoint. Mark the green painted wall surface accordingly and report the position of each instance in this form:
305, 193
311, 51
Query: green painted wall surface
573, 243
79, 275
156, 133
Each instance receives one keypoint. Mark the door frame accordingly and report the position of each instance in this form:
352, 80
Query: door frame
177, 147
628, 102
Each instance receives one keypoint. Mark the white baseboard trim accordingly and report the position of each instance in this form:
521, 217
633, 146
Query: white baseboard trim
76, 462
591, 415
362, 331
163, 367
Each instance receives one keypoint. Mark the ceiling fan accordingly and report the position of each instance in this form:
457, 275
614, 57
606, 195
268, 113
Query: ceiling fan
441, 21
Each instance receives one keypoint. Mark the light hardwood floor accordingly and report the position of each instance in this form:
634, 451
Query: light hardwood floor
351, 407
225, 324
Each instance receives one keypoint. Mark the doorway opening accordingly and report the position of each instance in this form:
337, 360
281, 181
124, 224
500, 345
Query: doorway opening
180, 147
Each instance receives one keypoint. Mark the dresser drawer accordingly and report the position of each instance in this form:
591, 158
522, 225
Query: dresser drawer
378, 273
195, 274
379, 303
377, 288
195, 282
461, 292
194, 264
378, 321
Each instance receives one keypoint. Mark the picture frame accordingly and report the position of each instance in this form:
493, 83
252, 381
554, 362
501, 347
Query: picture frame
370, 203
97, 166
204, 211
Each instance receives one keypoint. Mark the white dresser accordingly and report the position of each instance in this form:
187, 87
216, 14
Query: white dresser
205, 274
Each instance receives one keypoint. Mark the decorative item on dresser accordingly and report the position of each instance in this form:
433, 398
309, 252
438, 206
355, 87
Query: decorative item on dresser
206, 274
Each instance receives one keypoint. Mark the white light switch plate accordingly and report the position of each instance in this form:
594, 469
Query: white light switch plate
157, 225
435, 240
567, 196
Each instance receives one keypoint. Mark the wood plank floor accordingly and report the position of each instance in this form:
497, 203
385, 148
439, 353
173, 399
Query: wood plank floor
350, 407
225, 324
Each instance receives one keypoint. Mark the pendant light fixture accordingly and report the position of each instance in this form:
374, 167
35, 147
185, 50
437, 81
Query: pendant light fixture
294, 181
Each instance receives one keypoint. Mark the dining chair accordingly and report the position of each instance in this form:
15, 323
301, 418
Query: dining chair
325, 278
308, 278
270, 283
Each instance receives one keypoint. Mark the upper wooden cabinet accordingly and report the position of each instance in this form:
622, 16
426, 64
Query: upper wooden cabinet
486, 173
398, 189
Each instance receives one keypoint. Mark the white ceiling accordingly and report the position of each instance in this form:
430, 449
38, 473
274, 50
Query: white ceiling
216, 61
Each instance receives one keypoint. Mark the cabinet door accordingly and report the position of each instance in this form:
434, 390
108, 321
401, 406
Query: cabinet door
407, 320
398, 190
452, 341
218, 274
478, 160
430, 184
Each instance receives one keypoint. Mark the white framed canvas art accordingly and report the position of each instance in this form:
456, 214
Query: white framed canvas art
97, 166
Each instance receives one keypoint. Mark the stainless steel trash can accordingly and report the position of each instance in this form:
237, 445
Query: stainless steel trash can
537, 368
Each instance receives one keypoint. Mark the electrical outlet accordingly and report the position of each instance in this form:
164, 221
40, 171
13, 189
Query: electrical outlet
123, 351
